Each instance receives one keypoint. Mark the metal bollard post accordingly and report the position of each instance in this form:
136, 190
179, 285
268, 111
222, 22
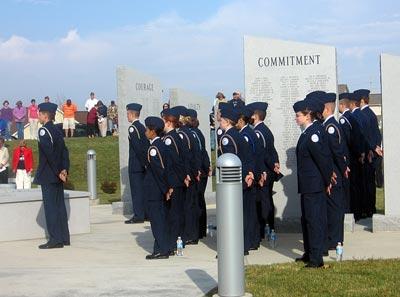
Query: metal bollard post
91, 173
230, 242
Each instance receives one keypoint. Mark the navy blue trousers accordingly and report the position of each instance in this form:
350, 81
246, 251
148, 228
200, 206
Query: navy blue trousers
314, 225
335, 217
56, 213
138, 201
157, 212
202, 207
191, 210
176, 216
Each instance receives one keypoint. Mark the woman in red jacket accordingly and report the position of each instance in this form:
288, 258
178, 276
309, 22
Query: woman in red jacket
22, 165
91, 122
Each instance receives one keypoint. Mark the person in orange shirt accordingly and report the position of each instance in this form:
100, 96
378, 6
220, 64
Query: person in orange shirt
22, 165
69, 110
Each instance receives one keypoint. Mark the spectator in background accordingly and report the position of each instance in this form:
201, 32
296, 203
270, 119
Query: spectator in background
69, 109
112, 114
4, 164
47, 99
19, 113
237, 100
91, 122
33, 118
91, 102
22, 165
102, 118
7, 116
3, 126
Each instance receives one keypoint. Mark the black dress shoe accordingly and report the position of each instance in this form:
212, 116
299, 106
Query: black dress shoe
67, 243
171, 253
303, 258
191, 242
49, 245
325, 254
253, 248
246, 253
314, 265
157, 256
134, 220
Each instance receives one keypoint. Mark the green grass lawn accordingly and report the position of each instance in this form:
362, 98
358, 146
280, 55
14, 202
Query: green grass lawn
107, 156
347, 278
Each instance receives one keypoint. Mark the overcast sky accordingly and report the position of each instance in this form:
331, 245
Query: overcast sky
65, 49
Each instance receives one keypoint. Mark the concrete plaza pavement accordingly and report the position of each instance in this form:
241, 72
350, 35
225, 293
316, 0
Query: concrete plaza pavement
110, 261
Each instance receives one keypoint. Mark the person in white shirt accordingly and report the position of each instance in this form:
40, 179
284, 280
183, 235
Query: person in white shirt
91, 102
4, 162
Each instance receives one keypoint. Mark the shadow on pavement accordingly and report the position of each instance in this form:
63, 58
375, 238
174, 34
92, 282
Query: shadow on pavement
202, 279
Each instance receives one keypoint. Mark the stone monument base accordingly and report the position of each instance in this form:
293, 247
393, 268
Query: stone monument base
385, 223
22, 214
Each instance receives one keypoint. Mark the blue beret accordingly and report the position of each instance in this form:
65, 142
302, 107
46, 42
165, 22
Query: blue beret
314, 104
192, 113
364, 93
155, 122
316, 94
230, 113
181, 110
170, 112
355, 97
134, 106
48, 106
258, 106
344, 96
244, 110
299, 106
223, 105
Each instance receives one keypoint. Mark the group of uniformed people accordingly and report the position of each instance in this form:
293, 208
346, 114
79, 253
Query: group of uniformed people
168, 170
335, 167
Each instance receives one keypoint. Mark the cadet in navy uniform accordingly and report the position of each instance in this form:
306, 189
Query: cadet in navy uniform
314, 173
51, 173
266, 208
220, 131
157, 186
178, 155
192, 212
205, 171
358, 170
374, 153
354, 139
138, 145
336, 143
251, 221
233, 142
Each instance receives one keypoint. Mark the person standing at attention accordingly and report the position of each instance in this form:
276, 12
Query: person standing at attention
51, 174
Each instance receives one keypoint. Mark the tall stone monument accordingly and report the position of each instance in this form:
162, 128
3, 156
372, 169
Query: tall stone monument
203, 107
390, 74
133, 86
281, 72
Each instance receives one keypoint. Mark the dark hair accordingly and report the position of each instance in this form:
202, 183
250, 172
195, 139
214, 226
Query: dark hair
245, 119
195, 123
172, 119
51, 115
6, 101
99, 103
91, 93
158, 130
220, 95
47, 97
112, 102
261, 114
33, 100
366, 99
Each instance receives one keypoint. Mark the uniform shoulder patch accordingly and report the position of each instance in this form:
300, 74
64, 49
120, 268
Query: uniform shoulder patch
131, 129
42, 132
219, 131
331, 130
314, 138
153, 152
246, 138
225, 141
168, 141
342, 121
